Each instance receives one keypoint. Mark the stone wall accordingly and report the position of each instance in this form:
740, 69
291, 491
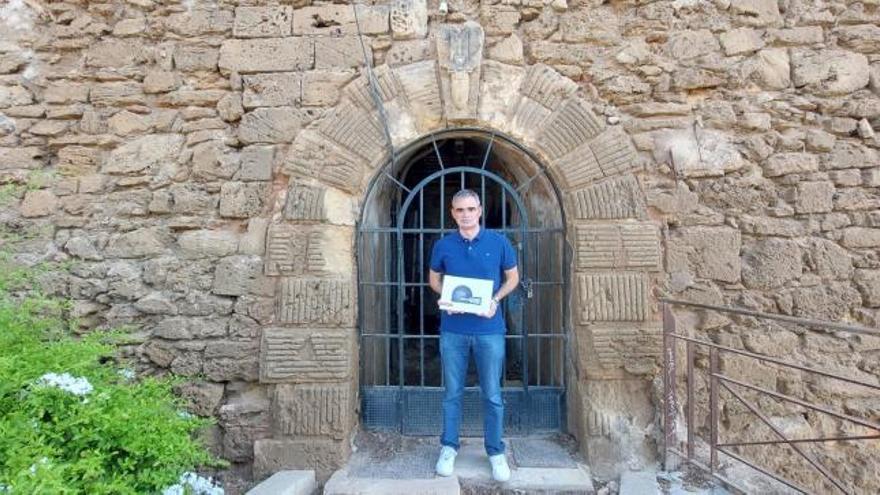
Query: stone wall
195, 162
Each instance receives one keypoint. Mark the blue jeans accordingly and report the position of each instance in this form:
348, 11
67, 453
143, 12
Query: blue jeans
455, 349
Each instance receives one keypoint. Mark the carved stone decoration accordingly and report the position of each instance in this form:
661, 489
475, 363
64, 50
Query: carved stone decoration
304, 203
315, 302
409, 19
312, 410
617, 197
420, 85
460, 53
294, 250
613, 351
612, 297
355, 130
360, 90
571, 124
306, 355
314, 157
620, 245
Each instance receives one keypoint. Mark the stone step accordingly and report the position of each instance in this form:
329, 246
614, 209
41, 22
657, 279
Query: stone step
639, 483
341, 484
287, 483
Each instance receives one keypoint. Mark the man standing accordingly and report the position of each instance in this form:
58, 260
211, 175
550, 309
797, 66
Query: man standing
474, 253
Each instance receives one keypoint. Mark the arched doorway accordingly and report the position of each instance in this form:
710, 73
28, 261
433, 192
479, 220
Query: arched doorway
406, 211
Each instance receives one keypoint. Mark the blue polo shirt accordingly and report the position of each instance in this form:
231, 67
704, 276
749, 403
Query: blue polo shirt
486, 256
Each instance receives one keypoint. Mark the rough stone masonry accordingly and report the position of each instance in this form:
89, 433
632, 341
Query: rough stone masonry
203, 164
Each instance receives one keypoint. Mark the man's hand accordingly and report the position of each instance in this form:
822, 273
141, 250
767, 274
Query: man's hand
493, 308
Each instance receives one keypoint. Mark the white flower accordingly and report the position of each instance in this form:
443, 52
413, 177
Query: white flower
127, 373
197, 484
4, 489
184, 414
66, 382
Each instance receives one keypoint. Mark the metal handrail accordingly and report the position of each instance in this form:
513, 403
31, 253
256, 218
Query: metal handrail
717, 381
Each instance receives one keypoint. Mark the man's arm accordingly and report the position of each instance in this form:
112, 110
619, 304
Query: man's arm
435, 280
511, 280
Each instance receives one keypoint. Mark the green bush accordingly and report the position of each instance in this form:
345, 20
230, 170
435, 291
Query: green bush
122, 436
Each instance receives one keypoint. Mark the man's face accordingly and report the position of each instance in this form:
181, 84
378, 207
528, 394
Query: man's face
466, 212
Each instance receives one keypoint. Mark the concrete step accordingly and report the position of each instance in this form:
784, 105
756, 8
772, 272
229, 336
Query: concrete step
342, 484
287, 483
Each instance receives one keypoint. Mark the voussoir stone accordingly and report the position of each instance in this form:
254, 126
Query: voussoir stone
829, 72
267, 55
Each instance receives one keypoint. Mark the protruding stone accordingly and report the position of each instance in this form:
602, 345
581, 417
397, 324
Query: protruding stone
460, 54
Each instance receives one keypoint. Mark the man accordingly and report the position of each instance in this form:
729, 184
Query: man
475, 253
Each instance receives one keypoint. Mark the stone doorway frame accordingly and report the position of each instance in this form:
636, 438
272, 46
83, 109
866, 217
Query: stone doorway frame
616, 333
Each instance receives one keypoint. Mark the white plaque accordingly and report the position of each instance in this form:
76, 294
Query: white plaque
466, 295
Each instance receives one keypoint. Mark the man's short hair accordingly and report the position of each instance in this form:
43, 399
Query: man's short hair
466, 193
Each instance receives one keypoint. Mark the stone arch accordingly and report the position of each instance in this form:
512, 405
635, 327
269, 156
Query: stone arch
616, 253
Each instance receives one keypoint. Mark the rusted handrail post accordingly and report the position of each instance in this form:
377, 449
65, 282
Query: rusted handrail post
689, 412
713, 409
669, 397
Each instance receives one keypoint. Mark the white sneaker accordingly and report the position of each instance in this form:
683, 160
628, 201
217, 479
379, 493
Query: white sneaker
500, 469
446, 462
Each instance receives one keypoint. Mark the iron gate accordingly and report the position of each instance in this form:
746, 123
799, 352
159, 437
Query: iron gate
401, 380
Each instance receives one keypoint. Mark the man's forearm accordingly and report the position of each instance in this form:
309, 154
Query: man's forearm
509, 285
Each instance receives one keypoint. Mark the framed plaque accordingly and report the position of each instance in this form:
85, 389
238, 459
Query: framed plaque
466, 295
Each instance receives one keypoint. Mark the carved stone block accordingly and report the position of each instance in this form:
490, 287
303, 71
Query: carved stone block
360, 90
546, 86
623, 245
612, 297
572, 124
294, 250
420, 84
308, 250
340, 52
579, 167
326, 303
312, 410
314, 157
616, 197
304, 203
614, 151
614, 350
498, 92
306, 355
409, 19
355, 130
459, 54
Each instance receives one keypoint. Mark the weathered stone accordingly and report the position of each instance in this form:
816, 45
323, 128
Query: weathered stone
508, 51
156, 303
861, 238
242, 199
64, 93
790, 163
685, 45
236, 275
267, 55
707, 252
21, 158
770, 264
313, 410
323, 456
782, 227
340, 19
409, 19
830, 302
263, 22
256, 163
804, 35
200, 21
864, 38
850, 155
739, 41
306, 355
214, 160
771, 68
710, 155
499, 19
756, 12
612, 297
160, 81
194, 58
125, 123
229, 108
272, 90
868, 284
232, 361
136, 244
814, 197
144, 153
323, 88
316, 302
205, 243
270, 125
829, 72
38, 203
407, 52
339, 53
122, 93
82, 248
183, 328
202, 398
